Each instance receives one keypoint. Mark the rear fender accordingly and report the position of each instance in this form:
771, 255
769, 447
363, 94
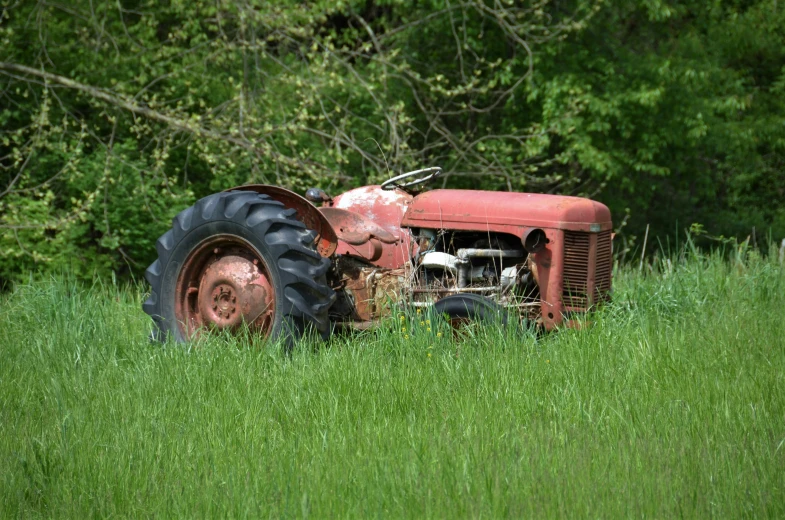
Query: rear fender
326, 240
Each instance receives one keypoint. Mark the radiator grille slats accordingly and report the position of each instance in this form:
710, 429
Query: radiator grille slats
576, 269
577, 279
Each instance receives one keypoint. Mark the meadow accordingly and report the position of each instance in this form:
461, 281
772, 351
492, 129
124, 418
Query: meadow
671, 403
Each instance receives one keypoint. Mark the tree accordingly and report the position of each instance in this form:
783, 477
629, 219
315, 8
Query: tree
114, 115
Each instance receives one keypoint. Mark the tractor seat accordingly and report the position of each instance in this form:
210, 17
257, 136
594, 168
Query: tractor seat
354, 228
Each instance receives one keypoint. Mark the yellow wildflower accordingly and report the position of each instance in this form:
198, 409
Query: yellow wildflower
406, 337
438, 334
429, 354
429, 329
419, 311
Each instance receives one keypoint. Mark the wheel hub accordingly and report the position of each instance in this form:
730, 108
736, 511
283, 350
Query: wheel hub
224, 301
234, 289
223, 285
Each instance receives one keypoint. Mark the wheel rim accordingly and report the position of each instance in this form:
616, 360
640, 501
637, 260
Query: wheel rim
223, 284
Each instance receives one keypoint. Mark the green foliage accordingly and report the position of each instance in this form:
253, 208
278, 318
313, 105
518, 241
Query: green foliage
668, 405
671, 112
681, 112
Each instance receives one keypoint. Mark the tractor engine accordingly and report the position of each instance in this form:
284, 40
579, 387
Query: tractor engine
488, 264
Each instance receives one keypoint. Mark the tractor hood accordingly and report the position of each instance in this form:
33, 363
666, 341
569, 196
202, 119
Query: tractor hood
485, 210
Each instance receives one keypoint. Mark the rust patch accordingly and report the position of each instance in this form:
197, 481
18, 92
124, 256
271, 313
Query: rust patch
356, 229
372, 212
223, 284
372, 290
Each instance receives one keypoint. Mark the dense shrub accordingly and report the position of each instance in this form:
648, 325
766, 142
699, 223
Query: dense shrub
670, 112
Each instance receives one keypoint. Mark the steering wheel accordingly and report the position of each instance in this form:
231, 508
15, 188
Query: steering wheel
427, 175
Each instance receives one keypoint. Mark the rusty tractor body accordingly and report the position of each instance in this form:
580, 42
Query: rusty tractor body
266, 258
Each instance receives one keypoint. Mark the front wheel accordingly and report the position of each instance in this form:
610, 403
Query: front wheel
466, 307
238, 259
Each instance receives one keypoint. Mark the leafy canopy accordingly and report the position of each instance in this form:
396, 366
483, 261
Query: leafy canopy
116, 115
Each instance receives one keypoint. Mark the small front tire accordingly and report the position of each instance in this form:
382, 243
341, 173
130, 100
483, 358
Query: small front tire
467, 307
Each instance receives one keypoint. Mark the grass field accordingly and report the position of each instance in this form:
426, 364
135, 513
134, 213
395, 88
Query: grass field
671, 404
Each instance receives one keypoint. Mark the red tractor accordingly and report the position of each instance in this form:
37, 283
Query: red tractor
266, 258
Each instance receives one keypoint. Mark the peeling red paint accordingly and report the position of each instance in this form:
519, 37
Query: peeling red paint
383, 210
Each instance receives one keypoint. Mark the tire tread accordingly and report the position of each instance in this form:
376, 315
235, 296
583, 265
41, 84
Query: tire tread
302, 270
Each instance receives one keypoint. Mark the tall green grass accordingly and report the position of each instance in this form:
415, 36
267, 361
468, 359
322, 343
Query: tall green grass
671, 403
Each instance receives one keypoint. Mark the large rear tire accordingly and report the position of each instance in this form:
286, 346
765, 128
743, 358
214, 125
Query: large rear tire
238, 259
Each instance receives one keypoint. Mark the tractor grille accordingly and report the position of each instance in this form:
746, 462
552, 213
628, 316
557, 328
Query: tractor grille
576, 269
604, 267
584, 278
